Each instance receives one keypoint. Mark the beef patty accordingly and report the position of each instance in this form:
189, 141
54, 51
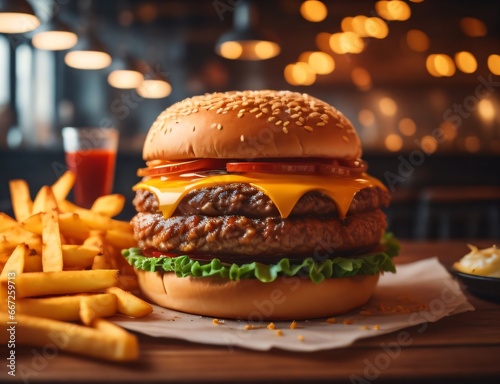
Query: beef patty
245, 200
241, 223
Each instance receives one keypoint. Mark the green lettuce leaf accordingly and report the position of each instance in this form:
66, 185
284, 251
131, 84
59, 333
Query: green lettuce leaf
317, 271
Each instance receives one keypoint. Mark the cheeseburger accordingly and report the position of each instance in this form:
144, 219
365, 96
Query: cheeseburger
256, 205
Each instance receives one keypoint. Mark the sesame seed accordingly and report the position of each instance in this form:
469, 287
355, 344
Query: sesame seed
214, 125
254, 110
308, 128
265, 110
298, 123
242, 138
219, 126
278, 122
240, 115
324, 116
220, 110
242, 110
286, 123
341, 126
245, 103
285, 130
271, 119
276, 112
320, 124
301, 119
345, 138
314, 114
294, 116
258, 115
194, 110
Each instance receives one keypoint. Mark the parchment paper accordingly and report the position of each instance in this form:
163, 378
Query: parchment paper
419, 292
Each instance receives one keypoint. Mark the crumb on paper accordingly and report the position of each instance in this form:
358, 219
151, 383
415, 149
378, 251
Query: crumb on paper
279, 332
248, 327
331, 320
271, 326
293, 324
365, 327
217, 322
301, 338
376, 327
348, 321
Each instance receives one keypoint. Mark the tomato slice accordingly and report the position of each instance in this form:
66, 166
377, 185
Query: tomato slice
270, 167
170, 168
326, 167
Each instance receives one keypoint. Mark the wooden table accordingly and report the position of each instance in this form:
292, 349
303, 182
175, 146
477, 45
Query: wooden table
460, 348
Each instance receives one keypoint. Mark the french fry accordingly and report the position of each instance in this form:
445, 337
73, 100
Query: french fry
67, 308
109, 205
21, 199
64, 308
7, 222
33, 224
52, 258
50, 247
15, 263
97, 239
33, 262
121, 240
129, 304
78, 256
63, 185
95, 220
44, 201
93, 307
14, 236
72, 226
64, 282
103, 341
129, 346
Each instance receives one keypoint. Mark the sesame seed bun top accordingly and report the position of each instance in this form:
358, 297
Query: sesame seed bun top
249, 125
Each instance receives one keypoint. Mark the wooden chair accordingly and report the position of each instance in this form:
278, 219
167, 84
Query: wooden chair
458, 212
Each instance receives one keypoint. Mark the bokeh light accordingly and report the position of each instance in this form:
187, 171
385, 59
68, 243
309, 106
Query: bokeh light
393, 10
473, 27
429, 144
387, 106
366, 117
407, 126
486, 109
313, 10
472, 144
417, 40
361, 78
494, 64
393, 142
466, 62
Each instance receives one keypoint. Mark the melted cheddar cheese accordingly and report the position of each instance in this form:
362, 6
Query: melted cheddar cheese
283, 190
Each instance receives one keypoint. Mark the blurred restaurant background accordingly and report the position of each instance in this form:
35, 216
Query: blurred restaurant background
419, 79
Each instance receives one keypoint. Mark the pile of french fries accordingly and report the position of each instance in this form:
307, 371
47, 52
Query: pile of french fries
63, 273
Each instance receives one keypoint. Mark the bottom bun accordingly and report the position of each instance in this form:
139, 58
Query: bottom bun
287, 298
